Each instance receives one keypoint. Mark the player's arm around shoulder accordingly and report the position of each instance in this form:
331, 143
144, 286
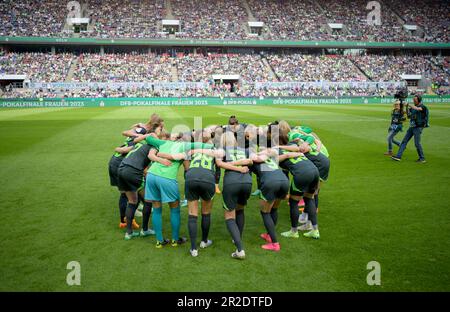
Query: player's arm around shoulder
228, 166
152, 155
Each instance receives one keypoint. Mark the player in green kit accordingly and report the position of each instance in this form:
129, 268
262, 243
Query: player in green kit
314, 150
305, 182
200, 185
155, 121
113, 167
304, 129
162, 185
237, 187
321, 159
274, 186
131, 176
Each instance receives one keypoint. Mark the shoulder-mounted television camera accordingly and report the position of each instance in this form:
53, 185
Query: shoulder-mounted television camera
401, 95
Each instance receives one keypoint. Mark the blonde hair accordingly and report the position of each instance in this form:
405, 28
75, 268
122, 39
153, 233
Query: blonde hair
206, 136
228, 140
154, 122
284, 129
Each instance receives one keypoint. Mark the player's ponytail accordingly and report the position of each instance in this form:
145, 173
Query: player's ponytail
154, 122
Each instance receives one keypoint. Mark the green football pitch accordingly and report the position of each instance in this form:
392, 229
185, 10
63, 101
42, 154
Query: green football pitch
57, 206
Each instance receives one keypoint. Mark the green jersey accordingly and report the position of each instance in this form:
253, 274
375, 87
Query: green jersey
304, 129
293, 165
268, 171
128, 142
310, 140
305, 137
171, 147
235, 177
323, 150
138, 156
201, 168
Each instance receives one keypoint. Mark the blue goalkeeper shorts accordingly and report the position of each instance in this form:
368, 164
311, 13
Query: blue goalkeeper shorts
161, 189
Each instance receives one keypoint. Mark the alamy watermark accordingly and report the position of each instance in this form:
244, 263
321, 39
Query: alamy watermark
374, 276
73, 278
374, 16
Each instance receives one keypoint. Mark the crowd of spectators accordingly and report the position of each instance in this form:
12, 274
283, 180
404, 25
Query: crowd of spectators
252, 71
290, 19
431, 15
9, 92
212, 91
311, 91
123, 67
30, 18
441, 70
150, 67
443, 61
353, 14
306, 67
201, 67
438, 74
218, 19
125, 18
227, 19
442, 91
38, 67
391, 68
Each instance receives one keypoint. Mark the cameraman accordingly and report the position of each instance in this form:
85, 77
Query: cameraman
418, 119
397, 118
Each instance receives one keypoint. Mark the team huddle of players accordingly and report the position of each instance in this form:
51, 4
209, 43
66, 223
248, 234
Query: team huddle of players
288, 162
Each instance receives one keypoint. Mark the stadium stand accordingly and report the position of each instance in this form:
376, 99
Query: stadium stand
39, 67
443, 63
353, 15
99, 70
296, 74
227, 19
299, 67
32, 18
122, 67
201, 67
390, 68
290, 20
219, 19
125, 19
431, 15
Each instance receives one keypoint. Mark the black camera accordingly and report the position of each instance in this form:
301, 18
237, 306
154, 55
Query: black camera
401, 94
